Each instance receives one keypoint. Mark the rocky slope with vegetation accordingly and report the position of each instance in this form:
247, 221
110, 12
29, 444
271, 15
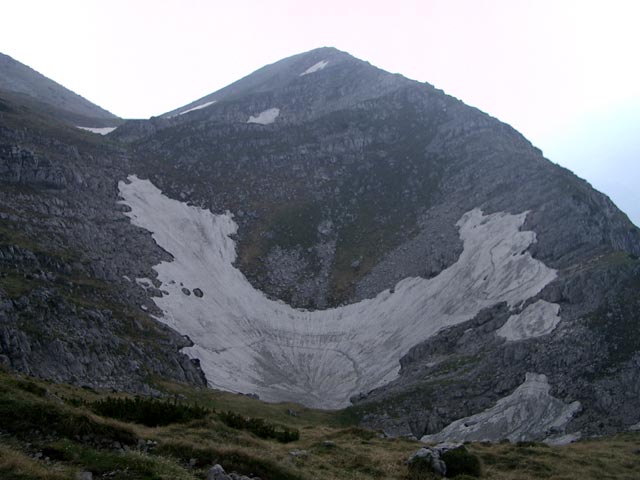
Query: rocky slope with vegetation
343, 180
67, 312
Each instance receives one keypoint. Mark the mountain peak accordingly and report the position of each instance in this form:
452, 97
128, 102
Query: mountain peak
324, 74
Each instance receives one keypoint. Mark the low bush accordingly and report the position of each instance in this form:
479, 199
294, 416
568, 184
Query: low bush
147, 411
420, 469
23, 417
461, 461
232, 460
259, 427
31, 387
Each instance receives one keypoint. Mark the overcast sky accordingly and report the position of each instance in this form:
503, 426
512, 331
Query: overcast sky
565, 73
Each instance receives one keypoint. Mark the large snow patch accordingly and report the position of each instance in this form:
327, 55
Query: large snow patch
249, 343
530, 412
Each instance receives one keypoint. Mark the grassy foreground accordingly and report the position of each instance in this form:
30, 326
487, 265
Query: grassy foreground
51, 431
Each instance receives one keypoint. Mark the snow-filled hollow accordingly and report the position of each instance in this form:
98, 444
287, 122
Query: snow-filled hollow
249, 343
315, 68
98, 130
265, 117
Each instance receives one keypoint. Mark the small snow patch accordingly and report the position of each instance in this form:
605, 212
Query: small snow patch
539, 318
198, 107
144, 282
559, 440
101, 130
315, 68
266, 117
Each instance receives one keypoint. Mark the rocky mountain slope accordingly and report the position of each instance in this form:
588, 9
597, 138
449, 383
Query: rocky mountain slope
25, 85
66, 311
325, 231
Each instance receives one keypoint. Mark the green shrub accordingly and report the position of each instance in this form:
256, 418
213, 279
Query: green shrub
23, 417
420, 469
30, 387
460, 461
259, 427
146, 411
106, 463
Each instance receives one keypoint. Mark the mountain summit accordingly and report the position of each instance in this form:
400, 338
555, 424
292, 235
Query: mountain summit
326, 232
340, 78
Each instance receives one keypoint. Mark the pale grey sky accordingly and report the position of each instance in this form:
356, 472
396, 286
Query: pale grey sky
563, 72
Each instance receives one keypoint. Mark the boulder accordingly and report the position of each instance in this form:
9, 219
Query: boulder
217, 473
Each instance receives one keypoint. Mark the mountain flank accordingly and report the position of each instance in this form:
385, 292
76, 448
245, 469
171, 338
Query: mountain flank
27, 86
325, 232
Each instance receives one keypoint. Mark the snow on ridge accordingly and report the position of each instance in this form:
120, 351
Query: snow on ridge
265, 117
248, 343
197, 107
530, 412
99, 130
539, 318
315, 68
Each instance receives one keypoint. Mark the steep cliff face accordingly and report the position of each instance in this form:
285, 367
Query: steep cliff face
325, 231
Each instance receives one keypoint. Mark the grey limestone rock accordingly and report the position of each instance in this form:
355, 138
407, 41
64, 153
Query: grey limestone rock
217, 473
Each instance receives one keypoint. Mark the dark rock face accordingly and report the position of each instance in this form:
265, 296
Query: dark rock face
356, 184
19, 166
70, 309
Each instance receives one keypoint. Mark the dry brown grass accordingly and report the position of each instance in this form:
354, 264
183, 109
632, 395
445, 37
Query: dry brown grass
15, 465
598, 459
352, 453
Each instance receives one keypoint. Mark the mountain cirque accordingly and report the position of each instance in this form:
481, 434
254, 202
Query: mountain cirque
324, 231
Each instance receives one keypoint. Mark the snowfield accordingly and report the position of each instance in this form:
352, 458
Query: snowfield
251, 344
266, 117
98, 130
